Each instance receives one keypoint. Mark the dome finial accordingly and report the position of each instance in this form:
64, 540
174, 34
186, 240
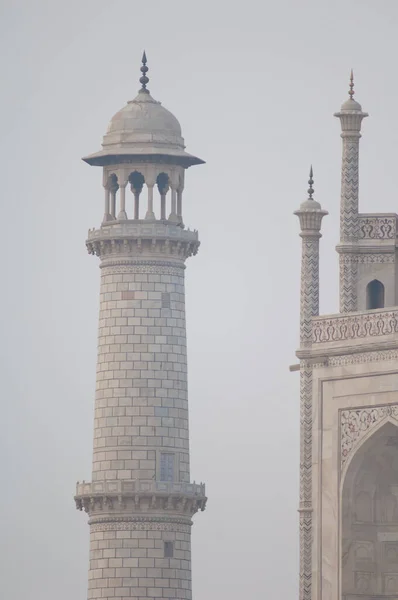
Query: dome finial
311, 182
351, 90
144, 79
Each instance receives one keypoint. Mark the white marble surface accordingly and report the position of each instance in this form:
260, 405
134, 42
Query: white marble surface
336, 389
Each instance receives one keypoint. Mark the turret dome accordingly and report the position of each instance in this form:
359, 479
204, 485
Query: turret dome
351, 104
144, 119
143, 128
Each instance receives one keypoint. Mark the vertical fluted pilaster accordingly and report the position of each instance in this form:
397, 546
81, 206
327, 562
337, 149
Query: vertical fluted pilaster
349, 222
349, 189
310, 215
309, 293
305, 507
309, 307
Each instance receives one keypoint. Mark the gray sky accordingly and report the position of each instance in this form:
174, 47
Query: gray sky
254, 86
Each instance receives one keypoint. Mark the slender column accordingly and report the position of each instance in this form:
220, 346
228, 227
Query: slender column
309, 307
173, 215
309, 295
350, 116
305, 506
163, 206
310, 215
136, 204
113, 203
122, 216
179, 204
349, 222
107, 216
150, 214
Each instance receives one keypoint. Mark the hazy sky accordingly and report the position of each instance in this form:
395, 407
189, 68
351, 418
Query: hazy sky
254, 85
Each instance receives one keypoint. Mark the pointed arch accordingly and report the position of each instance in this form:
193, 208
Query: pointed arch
369, 504
363, 440
375, 295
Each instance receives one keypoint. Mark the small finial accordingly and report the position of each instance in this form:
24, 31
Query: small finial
351, 90
144, 70
310, 182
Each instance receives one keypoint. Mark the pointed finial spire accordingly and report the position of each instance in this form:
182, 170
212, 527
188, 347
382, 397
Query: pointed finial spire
351, 90
311, 182
144, 79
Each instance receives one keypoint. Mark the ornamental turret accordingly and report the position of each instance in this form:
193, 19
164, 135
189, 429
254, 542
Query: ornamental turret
310, 214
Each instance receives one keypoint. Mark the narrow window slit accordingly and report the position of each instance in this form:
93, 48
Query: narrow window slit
168, 549
165, 299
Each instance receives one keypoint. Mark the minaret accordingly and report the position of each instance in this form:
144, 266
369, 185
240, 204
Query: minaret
350, 116
310, 214
140, 501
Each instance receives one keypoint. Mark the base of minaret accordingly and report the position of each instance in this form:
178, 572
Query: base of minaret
140, 537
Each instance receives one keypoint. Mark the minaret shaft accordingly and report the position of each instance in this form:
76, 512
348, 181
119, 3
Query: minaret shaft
309, 292
349, 223
309, 307
349, 189
141, 409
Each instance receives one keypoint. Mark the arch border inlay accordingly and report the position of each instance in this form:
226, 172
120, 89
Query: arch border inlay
356, 423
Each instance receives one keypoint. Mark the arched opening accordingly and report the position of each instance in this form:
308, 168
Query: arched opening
370, 519
162, 182
374, 295
136, 181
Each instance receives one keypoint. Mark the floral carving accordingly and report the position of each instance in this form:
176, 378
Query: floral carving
356, 423
362, 357
373, 259
377, 228
352, 327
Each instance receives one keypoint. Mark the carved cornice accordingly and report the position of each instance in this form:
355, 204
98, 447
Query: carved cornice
354, 254
143, 266
315, 356
112, 250
146, 521
142, 240
139, 496
141, 502
362, 357
145, 526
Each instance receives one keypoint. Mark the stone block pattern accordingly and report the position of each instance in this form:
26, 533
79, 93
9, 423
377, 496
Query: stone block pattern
127, 561
141, 406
